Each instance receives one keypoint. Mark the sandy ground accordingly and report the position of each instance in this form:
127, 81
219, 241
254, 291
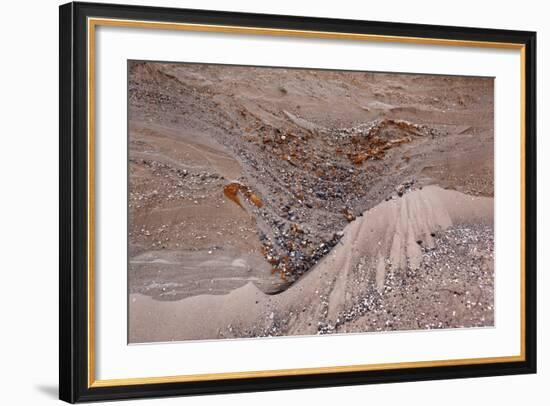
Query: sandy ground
269, 202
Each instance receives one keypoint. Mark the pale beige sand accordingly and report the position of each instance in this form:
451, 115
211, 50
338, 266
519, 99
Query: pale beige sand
393, 233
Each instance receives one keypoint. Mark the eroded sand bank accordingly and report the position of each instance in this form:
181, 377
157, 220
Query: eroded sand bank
385, 260
247, 187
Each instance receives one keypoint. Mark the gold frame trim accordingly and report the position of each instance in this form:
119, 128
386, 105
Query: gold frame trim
92, 23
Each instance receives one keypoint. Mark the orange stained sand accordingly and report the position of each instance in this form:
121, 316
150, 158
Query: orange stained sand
232, 189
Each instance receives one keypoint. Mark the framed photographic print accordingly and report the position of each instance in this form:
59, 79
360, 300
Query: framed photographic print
257, 202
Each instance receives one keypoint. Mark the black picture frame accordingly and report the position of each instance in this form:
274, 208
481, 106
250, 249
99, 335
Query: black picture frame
74, 385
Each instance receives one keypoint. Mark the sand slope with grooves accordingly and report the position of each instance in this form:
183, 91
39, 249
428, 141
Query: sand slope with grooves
392, 237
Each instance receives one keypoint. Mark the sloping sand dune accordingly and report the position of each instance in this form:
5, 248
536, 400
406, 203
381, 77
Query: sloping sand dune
393, 240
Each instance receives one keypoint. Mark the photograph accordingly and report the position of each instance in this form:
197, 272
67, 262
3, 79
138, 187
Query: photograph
281, 201
259, 200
